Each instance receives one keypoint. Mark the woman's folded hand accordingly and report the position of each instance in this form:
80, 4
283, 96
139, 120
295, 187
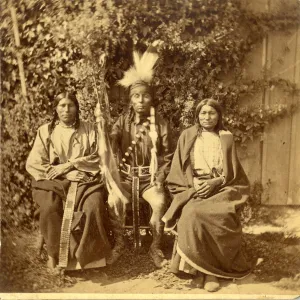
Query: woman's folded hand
206, 187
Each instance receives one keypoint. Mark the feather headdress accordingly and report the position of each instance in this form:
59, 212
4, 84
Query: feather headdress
143, 68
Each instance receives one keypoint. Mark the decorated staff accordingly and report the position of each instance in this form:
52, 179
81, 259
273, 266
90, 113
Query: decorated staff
141, 143
108, 164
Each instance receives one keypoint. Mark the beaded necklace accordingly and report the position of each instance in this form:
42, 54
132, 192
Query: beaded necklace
136, 150
132, 148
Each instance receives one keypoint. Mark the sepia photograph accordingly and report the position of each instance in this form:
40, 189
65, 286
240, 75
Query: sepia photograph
149, 149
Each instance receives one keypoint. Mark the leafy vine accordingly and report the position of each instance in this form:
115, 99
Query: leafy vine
206, 43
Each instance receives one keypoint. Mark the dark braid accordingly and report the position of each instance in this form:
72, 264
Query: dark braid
53, 122
77, 122
51, 128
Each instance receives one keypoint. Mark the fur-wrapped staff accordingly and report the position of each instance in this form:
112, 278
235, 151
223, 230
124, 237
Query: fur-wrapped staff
108, 164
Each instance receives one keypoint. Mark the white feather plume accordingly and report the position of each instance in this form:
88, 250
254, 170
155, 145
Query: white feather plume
131, 76
142, 70
136, 58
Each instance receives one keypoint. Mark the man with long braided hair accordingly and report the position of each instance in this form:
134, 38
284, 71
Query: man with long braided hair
141, 142
65, 151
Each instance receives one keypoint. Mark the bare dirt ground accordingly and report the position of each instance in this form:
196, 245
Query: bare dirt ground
273, 238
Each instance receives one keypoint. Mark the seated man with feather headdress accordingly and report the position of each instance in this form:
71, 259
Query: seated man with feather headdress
141, 142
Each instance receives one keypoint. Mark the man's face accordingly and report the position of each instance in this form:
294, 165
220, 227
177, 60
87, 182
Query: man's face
141, 99
66, 111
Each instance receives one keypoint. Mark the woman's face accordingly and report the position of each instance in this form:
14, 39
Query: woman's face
208, 117
141, 100
66, 111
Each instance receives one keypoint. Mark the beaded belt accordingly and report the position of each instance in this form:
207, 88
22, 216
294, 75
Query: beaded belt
135, 171
66, 225
136, 211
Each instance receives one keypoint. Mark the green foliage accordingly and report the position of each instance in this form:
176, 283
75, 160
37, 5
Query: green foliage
205, 43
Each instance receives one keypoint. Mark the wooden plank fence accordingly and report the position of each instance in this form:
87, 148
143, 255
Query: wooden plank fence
277, 157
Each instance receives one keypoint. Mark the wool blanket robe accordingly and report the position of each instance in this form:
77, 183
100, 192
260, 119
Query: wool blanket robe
209, 230
88, 240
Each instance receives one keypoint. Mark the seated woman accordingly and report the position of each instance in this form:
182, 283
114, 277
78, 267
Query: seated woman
208, 185
65, 150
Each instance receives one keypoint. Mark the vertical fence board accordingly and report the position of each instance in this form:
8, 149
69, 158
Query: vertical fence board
277, 143
294, 174
250, 156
